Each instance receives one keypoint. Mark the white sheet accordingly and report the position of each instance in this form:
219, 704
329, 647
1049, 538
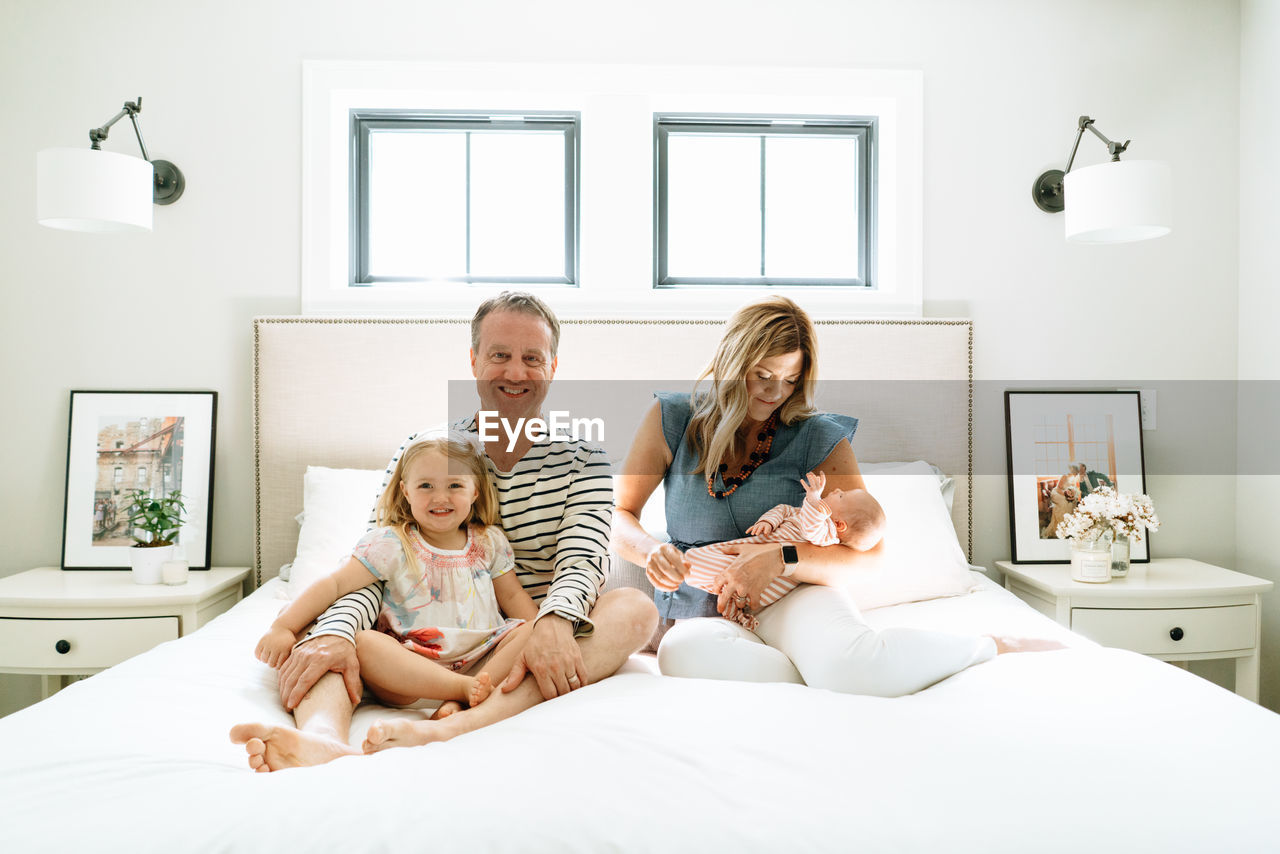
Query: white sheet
1081, 749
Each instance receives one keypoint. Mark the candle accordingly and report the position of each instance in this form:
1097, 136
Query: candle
174, 572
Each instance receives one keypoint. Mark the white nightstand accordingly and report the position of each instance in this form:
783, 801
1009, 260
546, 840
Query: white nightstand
55, 623
1173, 609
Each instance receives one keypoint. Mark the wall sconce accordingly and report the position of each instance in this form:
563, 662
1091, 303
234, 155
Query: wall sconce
1112, 202
94, 190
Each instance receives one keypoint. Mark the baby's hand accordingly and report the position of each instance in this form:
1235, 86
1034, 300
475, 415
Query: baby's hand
275, 646
760, 528
814, 483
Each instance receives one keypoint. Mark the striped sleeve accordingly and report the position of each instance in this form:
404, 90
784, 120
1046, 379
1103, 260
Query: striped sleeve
353, 613
815, 523
582, 541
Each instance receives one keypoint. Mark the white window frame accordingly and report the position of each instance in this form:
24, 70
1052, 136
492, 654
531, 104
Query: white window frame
617, 104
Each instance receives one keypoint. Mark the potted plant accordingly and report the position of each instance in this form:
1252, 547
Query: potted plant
153, 524
1099, 530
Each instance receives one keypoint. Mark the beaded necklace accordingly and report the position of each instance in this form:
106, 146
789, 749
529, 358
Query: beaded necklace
764, 441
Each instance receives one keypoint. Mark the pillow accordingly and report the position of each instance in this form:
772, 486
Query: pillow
923, 557
336, 505
946, 484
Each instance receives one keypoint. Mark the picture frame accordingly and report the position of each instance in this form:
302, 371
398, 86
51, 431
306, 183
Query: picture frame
118, 441
1049, 436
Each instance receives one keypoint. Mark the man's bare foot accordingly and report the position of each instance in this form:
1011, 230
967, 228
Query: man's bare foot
445, 709
385, 734
272, 748
481, 688
1008, 644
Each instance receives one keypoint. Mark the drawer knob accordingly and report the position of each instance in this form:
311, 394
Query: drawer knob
62, 647
1176, 633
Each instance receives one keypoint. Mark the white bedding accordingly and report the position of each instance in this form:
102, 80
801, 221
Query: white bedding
1081, 749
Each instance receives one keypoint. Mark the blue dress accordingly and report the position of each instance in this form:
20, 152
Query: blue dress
695, 518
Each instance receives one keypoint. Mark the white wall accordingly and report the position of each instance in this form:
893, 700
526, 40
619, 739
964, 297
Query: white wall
1259, 312
1004, 82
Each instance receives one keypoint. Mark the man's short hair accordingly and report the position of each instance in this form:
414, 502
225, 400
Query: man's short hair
520, 301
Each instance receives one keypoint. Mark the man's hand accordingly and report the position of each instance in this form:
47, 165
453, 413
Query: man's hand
552, 657
314, 659
665, 567
742, 582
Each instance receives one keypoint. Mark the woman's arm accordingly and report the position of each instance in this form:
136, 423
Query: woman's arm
514, 600
646, 465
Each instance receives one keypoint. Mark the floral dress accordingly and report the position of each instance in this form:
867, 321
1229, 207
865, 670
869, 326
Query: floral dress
444, 607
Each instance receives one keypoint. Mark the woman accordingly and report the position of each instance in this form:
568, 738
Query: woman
1063, 499
726, 455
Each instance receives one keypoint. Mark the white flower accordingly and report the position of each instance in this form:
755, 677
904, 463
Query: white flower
1105, 510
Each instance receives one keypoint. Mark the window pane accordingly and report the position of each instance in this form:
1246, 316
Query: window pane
417, 204
713, 206
811, 207
517, 204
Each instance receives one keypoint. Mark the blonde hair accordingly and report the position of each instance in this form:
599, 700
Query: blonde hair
393, 510
772, 327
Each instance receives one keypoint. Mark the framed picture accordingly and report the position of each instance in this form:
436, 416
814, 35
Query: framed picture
119, 441
1061, 446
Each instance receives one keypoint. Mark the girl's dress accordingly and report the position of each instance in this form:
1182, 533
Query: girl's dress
445, 608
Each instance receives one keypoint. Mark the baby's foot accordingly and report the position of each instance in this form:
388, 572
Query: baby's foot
272, 748
445, 709
481, 688
1008, 644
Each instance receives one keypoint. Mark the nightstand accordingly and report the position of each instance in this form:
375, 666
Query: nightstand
55, 623
1173, 609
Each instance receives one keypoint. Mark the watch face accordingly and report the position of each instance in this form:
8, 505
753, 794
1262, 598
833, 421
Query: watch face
789, 555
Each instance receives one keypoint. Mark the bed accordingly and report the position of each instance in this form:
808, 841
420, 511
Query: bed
1084, 748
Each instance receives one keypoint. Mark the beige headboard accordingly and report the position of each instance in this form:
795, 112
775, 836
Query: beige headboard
344, 392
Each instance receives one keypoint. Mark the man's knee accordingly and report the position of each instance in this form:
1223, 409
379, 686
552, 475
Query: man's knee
630, 613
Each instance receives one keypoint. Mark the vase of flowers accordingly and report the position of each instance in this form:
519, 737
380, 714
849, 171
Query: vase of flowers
1100, 529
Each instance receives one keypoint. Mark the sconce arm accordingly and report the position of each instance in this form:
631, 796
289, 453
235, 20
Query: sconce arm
169, 180
130, 109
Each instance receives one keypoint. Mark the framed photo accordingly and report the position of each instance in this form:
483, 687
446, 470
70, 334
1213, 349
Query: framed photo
1061, 446
119, 441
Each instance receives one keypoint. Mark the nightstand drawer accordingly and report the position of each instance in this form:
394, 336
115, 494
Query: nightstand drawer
1153, 631
88, 643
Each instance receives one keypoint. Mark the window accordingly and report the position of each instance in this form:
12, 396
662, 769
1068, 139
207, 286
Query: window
469, 196
764, 200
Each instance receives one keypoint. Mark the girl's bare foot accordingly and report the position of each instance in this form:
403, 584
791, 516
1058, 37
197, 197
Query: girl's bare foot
272, 748
1008, 644
481, 688
445, 709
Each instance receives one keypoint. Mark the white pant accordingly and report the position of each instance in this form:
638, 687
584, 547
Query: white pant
816, 636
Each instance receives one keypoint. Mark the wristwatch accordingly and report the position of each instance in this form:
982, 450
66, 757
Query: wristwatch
790, 560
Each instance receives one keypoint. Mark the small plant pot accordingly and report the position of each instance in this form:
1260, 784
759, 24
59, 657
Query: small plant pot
147, 560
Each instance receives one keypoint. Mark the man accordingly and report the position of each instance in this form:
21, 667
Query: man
1091, 480
556, 501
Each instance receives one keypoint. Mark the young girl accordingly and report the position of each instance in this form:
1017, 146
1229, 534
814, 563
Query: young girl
447, 568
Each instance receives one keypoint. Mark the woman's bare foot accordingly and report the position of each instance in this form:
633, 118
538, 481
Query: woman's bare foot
1008, 644
385, 734
445, 709
272, 748
481, 688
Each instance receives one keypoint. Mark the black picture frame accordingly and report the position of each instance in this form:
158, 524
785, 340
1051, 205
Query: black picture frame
1048, 434
163, 441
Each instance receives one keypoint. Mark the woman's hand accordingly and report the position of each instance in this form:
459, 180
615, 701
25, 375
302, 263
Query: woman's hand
665, 566
742, 582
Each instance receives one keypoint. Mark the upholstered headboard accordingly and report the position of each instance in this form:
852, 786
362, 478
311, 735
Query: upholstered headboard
344, 392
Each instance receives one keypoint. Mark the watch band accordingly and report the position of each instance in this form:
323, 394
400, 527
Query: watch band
790, 559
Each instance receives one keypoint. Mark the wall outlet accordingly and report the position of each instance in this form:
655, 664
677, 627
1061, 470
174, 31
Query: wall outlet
1147, 402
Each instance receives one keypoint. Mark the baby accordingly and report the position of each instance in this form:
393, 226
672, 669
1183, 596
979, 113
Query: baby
852, 518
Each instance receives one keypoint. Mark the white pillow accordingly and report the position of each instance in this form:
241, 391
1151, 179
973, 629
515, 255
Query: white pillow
336, 505
945, 483
923, 558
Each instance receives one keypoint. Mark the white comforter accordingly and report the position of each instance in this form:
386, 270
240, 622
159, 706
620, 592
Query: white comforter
1081, 749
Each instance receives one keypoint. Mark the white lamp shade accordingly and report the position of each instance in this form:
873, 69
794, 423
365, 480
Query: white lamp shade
1118, 202
80, 189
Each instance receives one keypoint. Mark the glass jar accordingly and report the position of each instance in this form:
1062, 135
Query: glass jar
1120, 556
1090, 561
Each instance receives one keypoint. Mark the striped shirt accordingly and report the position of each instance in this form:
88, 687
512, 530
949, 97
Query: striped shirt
556, 505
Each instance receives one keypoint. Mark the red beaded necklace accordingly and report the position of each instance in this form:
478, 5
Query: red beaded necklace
764, 441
